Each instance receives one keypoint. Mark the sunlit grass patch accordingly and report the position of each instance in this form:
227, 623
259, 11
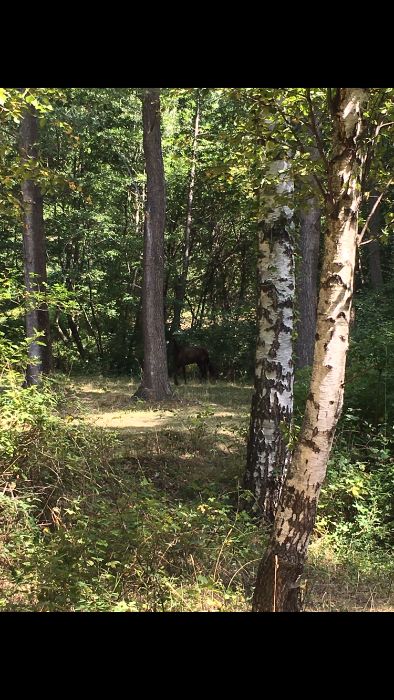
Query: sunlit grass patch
129, 507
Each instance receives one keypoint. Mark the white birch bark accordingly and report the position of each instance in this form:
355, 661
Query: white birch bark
272, 402
277, 586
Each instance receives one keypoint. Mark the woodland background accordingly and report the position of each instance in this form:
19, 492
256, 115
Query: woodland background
112, 505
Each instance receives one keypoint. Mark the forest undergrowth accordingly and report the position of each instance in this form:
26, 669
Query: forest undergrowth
111, 505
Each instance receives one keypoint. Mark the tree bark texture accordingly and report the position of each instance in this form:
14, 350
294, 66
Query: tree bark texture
75, 336
272, 401
180, 289
277, 586
309, 244
34, 255
155, 385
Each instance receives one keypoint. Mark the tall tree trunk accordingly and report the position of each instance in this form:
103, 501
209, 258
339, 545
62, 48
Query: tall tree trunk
76, 337
243, 274
272, 402
373, 248
62, 333
155, 385
34, 255
71, 268
180, 289
97, 332
310, 217
277, 585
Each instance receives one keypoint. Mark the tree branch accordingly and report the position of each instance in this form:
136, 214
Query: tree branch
303, 148
374, 208
319, 142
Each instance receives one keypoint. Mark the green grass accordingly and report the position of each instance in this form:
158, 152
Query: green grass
121, 506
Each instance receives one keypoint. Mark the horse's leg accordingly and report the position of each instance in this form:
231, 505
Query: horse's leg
184, 372
202, 368
176, 375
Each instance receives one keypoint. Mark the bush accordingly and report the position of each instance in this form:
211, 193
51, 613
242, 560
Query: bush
357, 498
79, 531
370, 373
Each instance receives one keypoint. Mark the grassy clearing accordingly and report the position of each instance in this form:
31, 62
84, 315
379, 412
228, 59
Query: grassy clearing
139, 510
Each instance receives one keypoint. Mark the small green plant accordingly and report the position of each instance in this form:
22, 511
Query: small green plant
198, 426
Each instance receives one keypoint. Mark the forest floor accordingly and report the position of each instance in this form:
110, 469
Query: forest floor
193, 451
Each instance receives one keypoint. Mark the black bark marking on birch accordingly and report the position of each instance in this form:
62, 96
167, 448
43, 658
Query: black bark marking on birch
312, 399
266, 314
335, 280
311, 444
279, 592
274, 348
331, 432
281, 583
343, 188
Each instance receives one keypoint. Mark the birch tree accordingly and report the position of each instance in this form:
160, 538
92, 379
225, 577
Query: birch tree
272, 401
278, 580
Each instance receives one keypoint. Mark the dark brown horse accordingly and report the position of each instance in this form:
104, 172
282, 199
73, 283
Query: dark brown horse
190, 355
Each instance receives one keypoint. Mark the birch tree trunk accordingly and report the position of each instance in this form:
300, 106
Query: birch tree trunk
34, 255
155, 385
306, 286
272, 401
277, 585
180, 289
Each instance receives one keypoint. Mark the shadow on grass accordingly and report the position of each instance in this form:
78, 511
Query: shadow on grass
105, 394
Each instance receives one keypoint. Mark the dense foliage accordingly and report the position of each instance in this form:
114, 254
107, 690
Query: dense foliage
78, 530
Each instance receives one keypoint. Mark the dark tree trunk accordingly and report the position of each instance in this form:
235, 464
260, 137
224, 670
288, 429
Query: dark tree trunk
310, 218
76, 337
243, 274
97, 330
180, 288
34, 255
71, 270
155, 385
373, 248
278, 579
63, 333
